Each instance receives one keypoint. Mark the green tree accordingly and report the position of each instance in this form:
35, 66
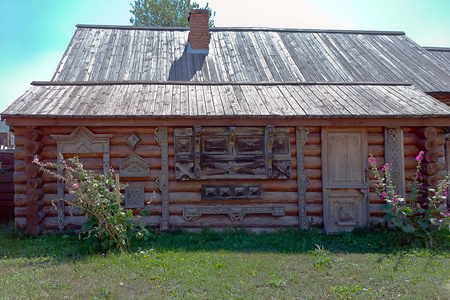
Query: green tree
172, 13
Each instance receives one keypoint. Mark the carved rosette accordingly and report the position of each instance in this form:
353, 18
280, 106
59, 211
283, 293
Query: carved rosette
163, 179
81, 140
301, 137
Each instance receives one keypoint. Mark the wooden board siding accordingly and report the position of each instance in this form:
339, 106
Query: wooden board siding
7, 185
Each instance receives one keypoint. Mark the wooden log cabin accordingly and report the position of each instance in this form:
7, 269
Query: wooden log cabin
256, 128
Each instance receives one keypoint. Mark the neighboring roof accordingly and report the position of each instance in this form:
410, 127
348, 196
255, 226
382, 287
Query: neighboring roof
121, 53
442, 55
208, 99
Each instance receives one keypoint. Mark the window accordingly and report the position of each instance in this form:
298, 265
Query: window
232, 152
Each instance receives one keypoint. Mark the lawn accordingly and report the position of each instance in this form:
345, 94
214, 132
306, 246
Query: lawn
227, 265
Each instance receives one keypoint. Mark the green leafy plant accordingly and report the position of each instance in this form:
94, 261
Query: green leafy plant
321, 258
96, 195
419, 222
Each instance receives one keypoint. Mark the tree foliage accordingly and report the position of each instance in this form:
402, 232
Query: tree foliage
171, 13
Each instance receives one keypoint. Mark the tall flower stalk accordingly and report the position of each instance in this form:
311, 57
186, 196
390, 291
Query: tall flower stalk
418, 222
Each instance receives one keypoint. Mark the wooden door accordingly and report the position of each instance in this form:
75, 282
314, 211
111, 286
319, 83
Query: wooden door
344, 178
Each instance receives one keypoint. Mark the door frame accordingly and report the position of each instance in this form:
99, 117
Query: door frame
364, 187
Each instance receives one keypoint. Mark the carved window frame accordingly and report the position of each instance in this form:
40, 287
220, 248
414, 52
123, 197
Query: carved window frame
233, 152
81, 140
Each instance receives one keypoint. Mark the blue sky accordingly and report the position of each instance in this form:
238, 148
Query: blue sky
35, 33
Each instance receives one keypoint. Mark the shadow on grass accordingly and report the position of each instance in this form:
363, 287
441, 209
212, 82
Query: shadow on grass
68, 247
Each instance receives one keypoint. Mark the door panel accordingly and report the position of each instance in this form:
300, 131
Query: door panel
344, 165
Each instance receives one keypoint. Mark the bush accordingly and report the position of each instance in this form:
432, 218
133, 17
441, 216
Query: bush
95, 194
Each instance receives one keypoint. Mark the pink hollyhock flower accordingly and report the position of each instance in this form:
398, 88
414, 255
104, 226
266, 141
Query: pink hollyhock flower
76, 185
447, 214
395, 209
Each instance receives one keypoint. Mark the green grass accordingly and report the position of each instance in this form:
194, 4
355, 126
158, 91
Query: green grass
228, 265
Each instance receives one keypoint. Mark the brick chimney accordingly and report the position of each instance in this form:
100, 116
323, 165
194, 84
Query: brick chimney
199, 35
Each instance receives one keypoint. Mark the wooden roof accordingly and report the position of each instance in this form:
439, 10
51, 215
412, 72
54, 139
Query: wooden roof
442, 55
122, 53
236, 100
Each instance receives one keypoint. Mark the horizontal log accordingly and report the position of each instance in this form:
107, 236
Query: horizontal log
314, 138
19, 140
20, 200
409, 129
376, 150
311, 150
20, 223
19, 165
215, 221
20, 188
375, 139
410, 138
19, 152
410, 150
375, 129
20, 211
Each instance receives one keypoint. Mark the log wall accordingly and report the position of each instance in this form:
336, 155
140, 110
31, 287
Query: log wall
187, 193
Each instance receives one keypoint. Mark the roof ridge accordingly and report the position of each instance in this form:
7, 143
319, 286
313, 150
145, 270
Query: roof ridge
341, 31
437, 48
267, 83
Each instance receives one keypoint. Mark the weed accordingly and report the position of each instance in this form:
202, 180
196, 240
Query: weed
321, 258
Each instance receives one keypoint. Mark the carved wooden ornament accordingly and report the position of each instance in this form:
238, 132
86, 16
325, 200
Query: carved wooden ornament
81, 140
163, 179
134, 166
232, 152
394, 155
301, 138
134, 197
234, 212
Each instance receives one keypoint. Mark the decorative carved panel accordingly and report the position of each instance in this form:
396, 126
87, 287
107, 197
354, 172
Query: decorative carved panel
81, 140
394, 154
301, 137
163, 179
133, 140
234, 212
221, 192
134, 166
232, 152
134, 197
